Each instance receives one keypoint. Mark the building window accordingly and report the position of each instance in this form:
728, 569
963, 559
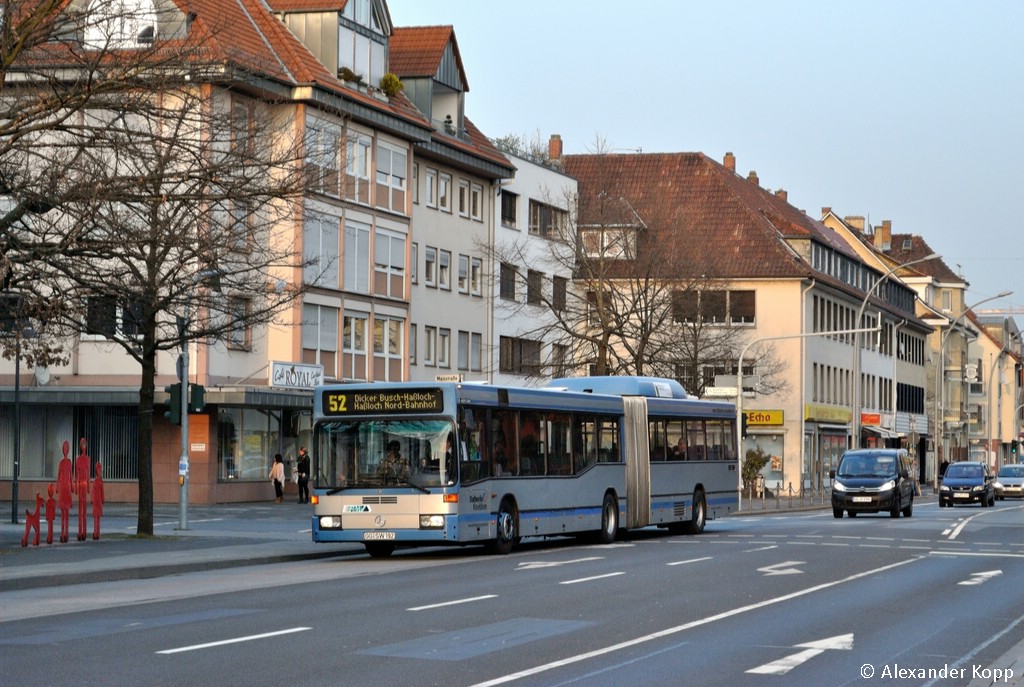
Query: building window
241, 230
475, 351
121, 25
509, 203
353, 346
416, 183
741, 307
476, 202
430, 266
320, 337
412, 344
546, 220
444, 192
414, 263
320, 248
463, 274
534, 287
323, 158
357, 257
429, 342
430, 188
444, 270
559, 360
609, 243
507, 282
462, 357
387, 349
391, 174
476, 268
559, 289
113, 318
518, 356
389, 264
444, 346
357, 167
463, 198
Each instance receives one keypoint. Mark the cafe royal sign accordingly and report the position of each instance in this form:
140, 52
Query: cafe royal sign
296, 375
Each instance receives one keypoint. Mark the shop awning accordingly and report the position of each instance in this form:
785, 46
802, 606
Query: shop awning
881, 431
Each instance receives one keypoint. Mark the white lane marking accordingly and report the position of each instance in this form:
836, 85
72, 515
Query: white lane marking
981, 578
533, 565
782, 568
692, 560
236, 640
453, 603
763, 548
810, 650
591, 579
687, 626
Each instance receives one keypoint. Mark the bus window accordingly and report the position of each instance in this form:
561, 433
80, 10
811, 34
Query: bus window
531, 443
696, 445
475, 458
558, 446
656, 436
584, 442
678, 447
720, 440
504, 431
608, 441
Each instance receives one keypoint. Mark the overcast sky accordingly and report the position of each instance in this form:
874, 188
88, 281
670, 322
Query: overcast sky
910, 111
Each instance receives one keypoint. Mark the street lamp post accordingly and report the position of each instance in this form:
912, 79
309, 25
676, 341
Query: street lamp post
940, 387
855, 419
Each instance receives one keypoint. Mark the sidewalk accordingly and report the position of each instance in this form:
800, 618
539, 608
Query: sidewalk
218, 536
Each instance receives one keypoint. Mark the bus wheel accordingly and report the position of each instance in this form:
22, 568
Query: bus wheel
699, 514
507, 537
379, 549
609, 520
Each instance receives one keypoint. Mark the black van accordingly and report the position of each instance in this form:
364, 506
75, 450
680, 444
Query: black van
871, 480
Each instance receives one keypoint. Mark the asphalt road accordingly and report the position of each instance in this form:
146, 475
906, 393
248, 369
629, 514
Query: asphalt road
798, 599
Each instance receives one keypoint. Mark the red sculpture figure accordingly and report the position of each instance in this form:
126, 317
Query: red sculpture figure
32, 522
51, 512
82, 470
64, 492
97, 501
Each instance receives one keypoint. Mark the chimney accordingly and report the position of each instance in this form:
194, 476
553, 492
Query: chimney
730, 162
855, 222
825, 211
883, 235
782, 195
555, 148
752, 178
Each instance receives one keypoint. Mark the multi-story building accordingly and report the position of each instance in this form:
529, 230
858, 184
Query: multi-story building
455, 178
785, 287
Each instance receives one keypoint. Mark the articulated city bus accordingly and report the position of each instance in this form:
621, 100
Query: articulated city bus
425, 464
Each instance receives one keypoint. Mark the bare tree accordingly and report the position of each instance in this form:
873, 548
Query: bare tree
153, 190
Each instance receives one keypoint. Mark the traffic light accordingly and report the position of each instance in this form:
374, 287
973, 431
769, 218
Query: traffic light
196, 398
743, 425
174, 403
1014, 445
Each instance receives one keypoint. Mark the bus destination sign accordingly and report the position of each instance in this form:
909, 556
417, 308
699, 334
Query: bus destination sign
373, 402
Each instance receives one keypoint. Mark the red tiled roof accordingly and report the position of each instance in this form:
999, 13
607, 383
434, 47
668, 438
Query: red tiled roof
688, 200
416, 51
307, 5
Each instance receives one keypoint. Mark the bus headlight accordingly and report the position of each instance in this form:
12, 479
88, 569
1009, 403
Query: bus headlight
431, 522
330, 522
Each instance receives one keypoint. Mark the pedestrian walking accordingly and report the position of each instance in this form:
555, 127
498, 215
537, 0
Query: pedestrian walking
302, 466
277, 477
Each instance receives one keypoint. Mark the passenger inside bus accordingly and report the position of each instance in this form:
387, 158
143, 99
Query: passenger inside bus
393, 467
679, 452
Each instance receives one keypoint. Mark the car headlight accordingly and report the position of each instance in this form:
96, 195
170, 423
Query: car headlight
998, 485
943, 488
978, 487
838, 486
891, 484
431, 522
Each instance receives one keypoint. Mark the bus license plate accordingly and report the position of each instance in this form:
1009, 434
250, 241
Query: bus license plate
862, 499
374, 536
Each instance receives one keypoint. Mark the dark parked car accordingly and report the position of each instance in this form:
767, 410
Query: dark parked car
873, 480
968, 481
1010, 481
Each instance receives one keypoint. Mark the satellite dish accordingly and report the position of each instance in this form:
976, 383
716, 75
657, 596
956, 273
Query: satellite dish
42, 375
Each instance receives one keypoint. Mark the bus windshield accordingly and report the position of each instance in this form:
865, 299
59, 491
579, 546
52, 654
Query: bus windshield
379, 453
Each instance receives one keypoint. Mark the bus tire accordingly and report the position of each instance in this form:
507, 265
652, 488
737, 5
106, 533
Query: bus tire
609, 520
698, 514
379, 549
507, 528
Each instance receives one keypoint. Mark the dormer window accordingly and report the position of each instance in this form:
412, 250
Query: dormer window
119, 24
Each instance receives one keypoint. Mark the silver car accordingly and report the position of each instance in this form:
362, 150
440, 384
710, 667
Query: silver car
1010, 482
